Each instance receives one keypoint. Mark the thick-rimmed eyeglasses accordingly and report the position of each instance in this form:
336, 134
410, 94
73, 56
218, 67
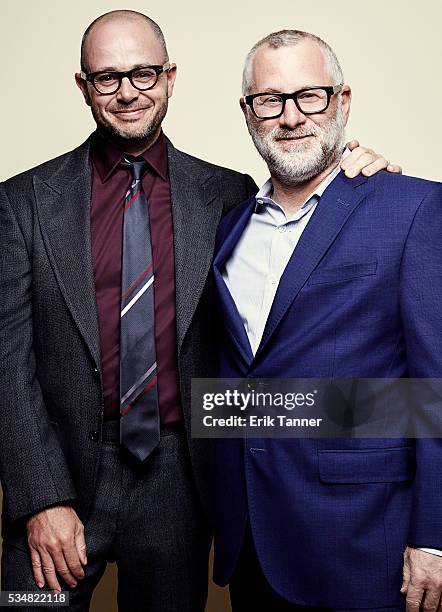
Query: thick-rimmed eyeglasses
109, 82
308, 101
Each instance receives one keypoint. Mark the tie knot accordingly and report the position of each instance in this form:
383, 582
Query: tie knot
136, 166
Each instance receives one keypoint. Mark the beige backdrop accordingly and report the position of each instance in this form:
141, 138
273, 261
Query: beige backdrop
390, 51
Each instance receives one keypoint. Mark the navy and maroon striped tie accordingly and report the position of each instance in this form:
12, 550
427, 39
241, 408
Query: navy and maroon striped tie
139, 422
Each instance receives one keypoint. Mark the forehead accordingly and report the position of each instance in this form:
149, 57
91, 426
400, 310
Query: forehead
121, 44
287, 69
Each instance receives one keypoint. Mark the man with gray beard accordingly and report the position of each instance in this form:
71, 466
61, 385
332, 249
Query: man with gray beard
303, 163
330, 278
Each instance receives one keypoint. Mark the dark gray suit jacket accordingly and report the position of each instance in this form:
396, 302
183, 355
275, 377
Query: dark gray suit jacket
51, 402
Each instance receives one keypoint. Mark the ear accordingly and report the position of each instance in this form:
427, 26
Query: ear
171, 76
82, 85
243, 105
346, 102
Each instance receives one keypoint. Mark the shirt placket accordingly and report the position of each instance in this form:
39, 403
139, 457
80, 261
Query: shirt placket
278, 220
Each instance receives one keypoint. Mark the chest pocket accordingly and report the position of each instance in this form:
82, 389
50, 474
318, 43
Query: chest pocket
342, 273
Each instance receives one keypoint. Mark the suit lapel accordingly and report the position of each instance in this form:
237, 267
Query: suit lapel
229, 312
196, 211
63, 209
333, 210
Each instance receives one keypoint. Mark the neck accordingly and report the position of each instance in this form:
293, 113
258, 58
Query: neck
292, 197
135, 148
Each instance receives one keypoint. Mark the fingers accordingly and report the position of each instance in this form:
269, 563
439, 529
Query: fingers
414, 597
378, 164
61, 567
361, 159
73, 562
350, 161
56, 541
80, 545
365, 161
422, 580
355, 155
52, 560
48, 568
406, 576
353, 144
431, 601
36, 568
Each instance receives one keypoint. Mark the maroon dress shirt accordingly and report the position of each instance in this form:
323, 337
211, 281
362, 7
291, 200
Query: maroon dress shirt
110, 181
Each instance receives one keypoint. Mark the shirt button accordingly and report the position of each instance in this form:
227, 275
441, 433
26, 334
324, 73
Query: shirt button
94, 435
282, 229
259, 201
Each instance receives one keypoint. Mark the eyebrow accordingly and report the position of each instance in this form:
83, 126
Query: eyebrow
272, 90
134, 67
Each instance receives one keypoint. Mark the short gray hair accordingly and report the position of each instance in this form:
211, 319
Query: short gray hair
291, 38
125, 14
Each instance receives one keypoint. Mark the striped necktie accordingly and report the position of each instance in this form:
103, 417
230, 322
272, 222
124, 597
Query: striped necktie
139, 421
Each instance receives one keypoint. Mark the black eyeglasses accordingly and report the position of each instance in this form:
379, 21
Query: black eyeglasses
308, 101
109, 82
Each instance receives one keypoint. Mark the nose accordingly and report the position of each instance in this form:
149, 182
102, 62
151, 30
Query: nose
291, 117
127, 91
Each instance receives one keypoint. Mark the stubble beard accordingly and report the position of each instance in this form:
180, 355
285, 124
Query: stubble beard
132, 133
305, 160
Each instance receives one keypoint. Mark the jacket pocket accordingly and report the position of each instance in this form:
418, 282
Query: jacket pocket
366, 466
342, 273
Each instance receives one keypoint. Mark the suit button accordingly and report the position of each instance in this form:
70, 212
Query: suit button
94, 435
96, 373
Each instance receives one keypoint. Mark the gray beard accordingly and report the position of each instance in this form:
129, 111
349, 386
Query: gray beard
303, 163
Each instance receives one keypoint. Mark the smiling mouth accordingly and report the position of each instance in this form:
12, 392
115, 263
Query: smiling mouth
130, 112
295, 137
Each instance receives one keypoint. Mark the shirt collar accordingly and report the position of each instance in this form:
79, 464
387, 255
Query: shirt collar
106, 157
264, 195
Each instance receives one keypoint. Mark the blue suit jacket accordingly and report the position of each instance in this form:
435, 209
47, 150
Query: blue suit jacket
360, 297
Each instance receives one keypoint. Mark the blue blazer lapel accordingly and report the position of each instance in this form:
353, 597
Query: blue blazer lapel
334, 208
229, 233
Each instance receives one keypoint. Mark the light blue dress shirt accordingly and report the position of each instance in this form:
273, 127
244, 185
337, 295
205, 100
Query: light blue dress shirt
256, 265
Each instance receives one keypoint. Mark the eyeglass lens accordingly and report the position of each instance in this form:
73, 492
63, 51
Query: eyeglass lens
141, 78
309, 101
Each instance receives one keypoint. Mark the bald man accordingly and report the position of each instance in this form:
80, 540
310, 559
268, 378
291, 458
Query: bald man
106, 316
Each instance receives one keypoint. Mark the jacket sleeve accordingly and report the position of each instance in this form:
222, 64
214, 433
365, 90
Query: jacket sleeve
421, 310
33, 469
